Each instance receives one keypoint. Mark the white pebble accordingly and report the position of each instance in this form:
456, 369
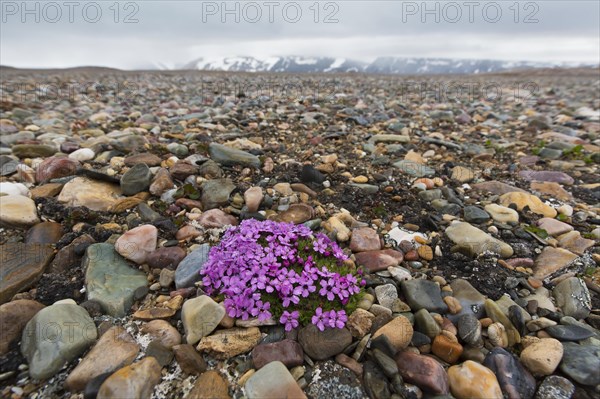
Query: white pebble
326, 184
565, 209
82, 154
493, 229
9, 188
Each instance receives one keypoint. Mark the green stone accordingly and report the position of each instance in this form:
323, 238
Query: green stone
110, 280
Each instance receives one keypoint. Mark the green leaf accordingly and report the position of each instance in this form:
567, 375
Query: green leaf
543, 234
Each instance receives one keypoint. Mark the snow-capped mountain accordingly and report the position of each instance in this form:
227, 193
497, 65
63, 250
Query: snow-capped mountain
446, 66
277, 64
381, 65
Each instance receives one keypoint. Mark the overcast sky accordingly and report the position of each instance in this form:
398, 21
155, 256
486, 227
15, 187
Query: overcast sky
140, 34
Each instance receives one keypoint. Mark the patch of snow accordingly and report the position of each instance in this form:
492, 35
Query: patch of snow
305, 61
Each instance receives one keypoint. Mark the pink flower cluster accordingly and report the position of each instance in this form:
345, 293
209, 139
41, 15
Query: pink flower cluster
270, 269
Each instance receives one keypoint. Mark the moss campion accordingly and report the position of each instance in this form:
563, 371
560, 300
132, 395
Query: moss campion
269, 269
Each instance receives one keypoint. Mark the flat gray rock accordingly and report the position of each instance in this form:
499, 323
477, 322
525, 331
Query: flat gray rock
110, 280
56, 335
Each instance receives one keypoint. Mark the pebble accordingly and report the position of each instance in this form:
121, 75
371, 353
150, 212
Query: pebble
115, 348
162, 331
423, 294
189, 360
494, 312
514, 379
228, 156
496, 187
253, 198
554, 190
446, 349
48, 349
364, 239
136, 179
542, 357
413, 168
82, 155
350, 364
161, 183
573, 242
547, 176
44, 233
469, 329
426, 324
555, 387
300, 213
109, 279
200, 316
273, 380
380, 260
215, 193
216, 218
398, 331
554, 227
166, 257
210, 385
142, 158
133, 381
32, 150
502, 214
8, 188
18, 211
188, 270
521, 200
225, 344
137, 243
22, 265
474, 214
472, 380
288, 352
573, 298
386, 295
13, 318
552, 260
580, 362
471, 300
462, 174
423, 371
95, 195
321, 345
568, 333
476, 242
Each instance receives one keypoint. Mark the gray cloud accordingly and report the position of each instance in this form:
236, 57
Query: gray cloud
178, 31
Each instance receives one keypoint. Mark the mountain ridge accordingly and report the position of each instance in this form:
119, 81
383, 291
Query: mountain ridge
381, 65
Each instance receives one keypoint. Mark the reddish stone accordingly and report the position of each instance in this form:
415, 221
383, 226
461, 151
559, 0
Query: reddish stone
190, 361
423, 371
166, 257
13, 318
162, 182
411, 255
446, 349
216, 218
55, 167
187, 232
188, 203
287, 352
375, 261
68, 147
364, 239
